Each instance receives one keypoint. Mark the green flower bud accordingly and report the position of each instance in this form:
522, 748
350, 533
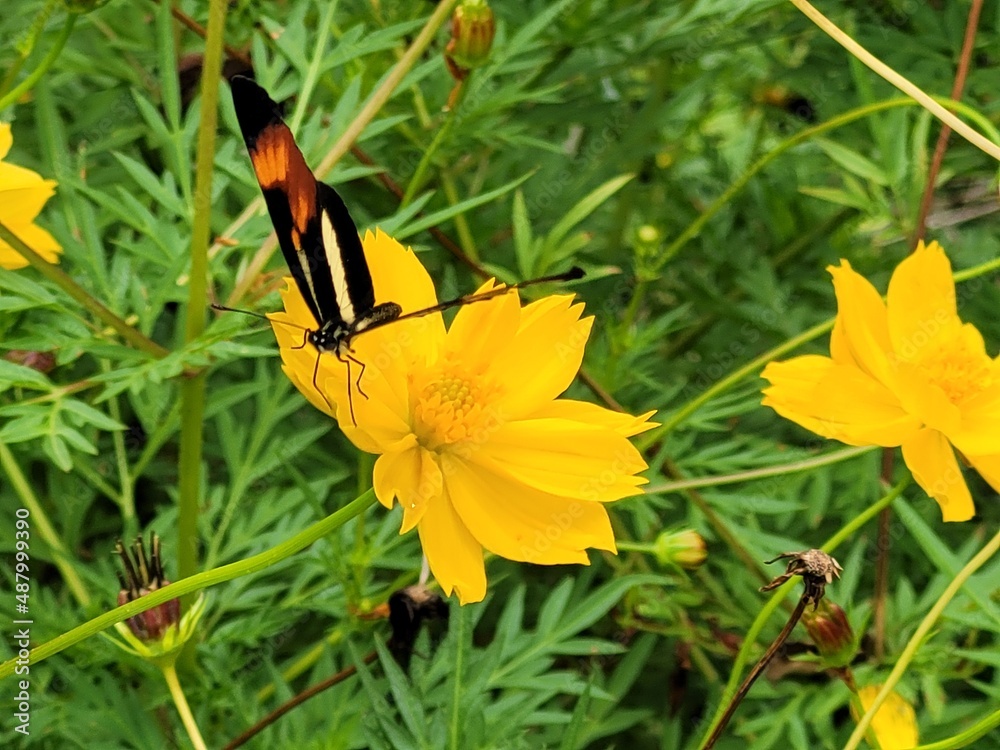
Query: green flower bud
683, 548
472, 30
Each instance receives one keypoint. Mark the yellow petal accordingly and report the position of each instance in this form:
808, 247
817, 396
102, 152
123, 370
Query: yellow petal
411, 475
6, 139
520, 523
592, 414
926, 400
540, 361
921, 303
861, 316
34, 237
564, 458
978, 432
480, 328
22, 193
837, 401
454, 556
988, 467
932, 461
895, 722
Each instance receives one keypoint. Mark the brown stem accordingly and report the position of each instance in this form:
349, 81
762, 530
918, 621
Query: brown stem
59, 277
758, 669
198, 29
302, 697
964, 59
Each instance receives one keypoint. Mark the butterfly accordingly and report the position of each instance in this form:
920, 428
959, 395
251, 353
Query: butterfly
319, 239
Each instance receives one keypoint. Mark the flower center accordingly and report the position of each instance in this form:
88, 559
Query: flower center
453, 406
958, 369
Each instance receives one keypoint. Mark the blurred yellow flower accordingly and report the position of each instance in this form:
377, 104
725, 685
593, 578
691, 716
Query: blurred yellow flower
22, 195
471, 439
907, 372
895, 722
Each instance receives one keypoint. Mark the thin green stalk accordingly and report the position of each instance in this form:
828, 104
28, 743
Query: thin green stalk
923, 99
454, 733
180, 701
743, 656
748, 476
197, 582
420, 173
50, 57
920, 634
312, 72
465, 237
40, 524
61, 279
126, 497
193, 389
26, 45
964, 739
727, 382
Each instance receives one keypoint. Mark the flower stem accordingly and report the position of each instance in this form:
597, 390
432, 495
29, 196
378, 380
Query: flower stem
920, 634
40, 523
454, 733
61, 279
193, 389
187, 718
197, 582
964, 739
923, 99
768, 471
758, 669
371, 108
420, 173
50, 57
780, 593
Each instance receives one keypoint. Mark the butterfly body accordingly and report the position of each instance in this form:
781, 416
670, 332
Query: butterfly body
317, 236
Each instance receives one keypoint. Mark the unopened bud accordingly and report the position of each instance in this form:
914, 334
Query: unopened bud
472, 30
144, 575
683, 548
829, 629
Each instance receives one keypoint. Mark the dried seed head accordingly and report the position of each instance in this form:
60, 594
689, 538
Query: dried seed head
816, 568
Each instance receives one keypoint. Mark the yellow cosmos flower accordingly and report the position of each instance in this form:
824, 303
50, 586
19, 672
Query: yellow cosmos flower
895, 722
471, 439
906, 372
22, 195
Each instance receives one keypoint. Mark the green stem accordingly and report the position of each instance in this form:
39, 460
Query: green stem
964, 739
465, 237
768, 471
126, 497
454, 733
61, 279
743, 656
40, 522
816, 331
193, 389
187, 718
920, 634
50, 57
198, 582
420, 173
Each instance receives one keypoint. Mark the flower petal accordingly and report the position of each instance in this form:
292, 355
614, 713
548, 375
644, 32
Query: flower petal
978, 434
22, 194
540, 361
521, 523
921, 303
988, 467
564, 458
837, 401
592, 414
863, 335
454, 555
478, 327
411, 475
6, 139
932, 461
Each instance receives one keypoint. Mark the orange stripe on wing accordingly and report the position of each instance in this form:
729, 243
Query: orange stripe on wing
280, 165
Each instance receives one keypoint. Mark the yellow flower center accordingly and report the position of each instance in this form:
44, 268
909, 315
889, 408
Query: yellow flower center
958, 369
453, 405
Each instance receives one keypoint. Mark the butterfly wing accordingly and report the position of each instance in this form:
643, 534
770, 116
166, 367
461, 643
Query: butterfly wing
315, 231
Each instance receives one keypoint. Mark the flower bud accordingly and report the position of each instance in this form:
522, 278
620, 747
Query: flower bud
684, 548
472, 30
895, 722
143, 575
829, 629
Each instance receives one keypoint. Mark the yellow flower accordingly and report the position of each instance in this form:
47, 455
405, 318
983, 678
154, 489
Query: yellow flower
472, 441
895, 722
22, 195
904, 372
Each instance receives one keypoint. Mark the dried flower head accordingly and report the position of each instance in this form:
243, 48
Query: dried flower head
816, 568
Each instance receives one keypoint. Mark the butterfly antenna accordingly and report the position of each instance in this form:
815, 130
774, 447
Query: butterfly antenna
571, 275
252, 314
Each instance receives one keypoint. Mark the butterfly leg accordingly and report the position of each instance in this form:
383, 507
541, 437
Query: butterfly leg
305, 340
316, 383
